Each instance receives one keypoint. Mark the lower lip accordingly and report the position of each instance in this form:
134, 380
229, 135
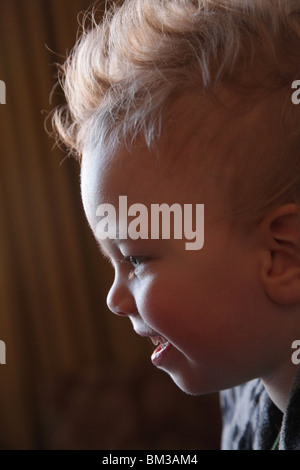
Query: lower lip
160, 353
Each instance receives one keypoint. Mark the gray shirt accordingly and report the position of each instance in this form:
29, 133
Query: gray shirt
251, 421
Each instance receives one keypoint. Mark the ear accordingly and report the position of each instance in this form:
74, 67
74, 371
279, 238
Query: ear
280, 269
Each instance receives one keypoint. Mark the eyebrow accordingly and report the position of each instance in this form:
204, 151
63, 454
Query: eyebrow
116, 244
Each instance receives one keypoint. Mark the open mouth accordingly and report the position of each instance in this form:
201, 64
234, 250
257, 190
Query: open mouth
162, 345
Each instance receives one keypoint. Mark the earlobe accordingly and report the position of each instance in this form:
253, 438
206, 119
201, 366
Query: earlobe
280, 267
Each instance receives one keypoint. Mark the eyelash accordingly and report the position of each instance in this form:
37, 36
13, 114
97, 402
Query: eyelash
129, 259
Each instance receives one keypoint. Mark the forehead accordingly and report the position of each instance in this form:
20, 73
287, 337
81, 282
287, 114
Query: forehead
108, 174
169, 158
142, 175
105, 177
185, 164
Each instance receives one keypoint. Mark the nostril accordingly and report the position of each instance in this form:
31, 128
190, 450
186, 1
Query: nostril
115, 307
116, 310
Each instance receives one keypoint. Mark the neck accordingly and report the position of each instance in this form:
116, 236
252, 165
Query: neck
278, 384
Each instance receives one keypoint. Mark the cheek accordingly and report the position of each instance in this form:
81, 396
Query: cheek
201, 305
197, 310
167, 305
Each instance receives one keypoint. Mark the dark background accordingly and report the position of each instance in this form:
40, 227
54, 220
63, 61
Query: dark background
76, 377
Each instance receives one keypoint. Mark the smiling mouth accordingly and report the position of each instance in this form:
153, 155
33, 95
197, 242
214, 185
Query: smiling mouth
162, 345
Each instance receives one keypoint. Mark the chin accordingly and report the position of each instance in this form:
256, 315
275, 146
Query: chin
193, 378
189, 385
196, 382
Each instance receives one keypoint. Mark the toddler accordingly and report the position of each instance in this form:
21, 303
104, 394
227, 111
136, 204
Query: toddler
188, 102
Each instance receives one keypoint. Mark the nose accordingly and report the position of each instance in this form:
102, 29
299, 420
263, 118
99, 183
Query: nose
120, 300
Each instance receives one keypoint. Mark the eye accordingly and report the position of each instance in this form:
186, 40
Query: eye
135, 262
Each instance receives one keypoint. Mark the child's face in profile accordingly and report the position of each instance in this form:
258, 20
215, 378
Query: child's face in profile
205, 306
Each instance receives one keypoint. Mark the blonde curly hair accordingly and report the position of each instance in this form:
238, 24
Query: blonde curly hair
127, 70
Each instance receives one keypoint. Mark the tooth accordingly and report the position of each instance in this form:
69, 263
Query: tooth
156, 340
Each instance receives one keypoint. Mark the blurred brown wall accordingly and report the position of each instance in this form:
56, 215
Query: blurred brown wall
53, 281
